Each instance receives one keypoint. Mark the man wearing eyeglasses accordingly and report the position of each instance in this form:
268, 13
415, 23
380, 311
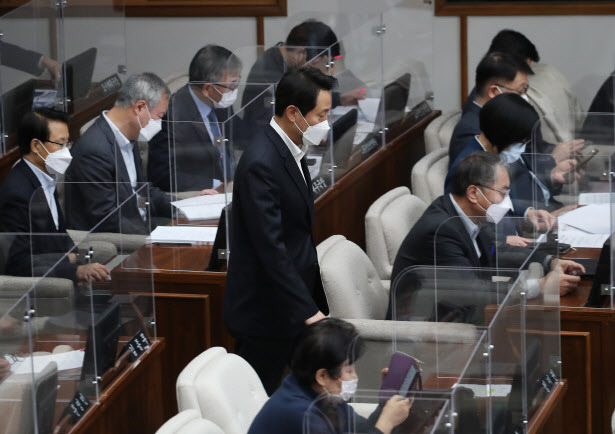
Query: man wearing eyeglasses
29, 203
189, 153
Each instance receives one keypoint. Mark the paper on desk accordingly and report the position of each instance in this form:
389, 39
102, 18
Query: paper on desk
364, 128
314, 168
369, 108
203, 207
341, 110
596, 198
201, 235
582, 239
594, 219
484, 390
68, 360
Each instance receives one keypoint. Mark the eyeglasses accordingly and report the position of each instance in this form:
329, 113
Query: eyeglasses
521, 91
64, 145
232, 86
503, 193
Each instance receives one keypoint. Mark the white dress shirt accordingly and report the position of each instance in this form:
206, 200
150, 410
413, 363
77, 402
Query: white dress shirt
126, 148
48, 184
470, 226
295, 150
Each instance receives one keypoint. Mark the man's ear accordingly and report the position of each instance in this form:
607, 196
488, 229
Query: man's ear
34, 146
472, 194
140, 106
292, 113
321, 376
492, 91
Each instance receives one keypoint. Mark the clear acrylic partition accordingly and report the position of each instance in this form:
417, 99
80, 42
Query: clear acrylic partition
28, 41
66, 55
583, 201
431, 412
92, 42
91, 311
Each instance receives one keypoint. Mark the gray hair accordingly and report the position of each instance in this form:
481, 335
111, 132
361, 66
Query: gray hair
210, 62
477, 168
145, 86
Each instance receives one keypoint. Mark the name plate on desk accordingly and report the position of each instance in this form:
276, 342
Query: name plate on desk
137, 346
319, 185
77, 407
549, 380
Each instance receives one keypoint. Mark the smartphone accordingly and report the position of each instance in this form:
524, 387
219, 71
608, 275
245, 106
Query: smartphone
404, 375
587, 159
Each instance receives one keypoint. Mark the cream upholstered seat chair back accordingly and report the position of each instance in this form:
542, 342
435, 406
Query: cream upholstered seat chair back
352, 285
189, 422
436, 176
387, 222
420, 184
224, 388
176, 81
439, 131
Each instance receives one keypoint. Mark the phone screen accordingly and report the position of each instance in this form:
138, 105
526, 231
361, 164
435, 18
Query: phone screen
405, 386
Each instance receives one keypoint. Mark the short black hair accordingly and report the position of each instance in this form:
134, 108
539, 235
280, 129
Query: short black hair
326, 344
516, 44
477, 168
210, 62
35, 125
300, 87
507, 119
315, 37
497, 66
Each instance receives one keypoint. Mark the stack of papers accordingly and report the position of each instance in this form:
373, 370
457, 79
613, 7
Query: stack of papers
596, 198
593, 219
203, 207
198, 235
369, 108
36, 364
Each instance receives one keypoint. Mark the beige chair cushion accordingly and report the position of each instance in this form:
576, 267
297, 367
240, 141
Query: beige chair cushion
51, 296
124, 243
189, 422
352, 285
420, 184
439, 131
436, 176
387, 222
176, 81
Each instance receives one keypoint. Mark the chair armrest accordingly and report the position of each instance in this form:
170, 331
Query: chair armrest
103, 251
52, 296
124, 243
418, 331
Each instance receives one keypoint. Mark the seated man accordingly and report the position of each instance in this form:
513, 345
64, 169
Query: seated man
29, 202
106, 170
306, 42
183, 156
479, 193
507, 122
549, 92
499, 73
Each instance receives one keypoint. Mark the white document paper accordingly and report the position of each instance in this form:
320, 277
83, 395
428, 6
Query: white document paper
200, 235
594, 219
484, 390
203, 207
369, 108
68, 360
581, 239
315, 167
596, 198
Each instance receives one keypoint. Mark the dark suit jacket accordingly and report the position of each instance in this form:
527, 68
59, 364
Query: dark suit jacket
19, 58
440, 239
24, 208
97, 183
183, 148
285, 411
273, 283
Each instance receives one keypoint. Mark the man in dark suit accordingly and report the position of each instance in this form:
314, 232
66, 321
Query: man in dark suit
452, 232
29, 203
28, 61
106, 172
273, 286
184, 155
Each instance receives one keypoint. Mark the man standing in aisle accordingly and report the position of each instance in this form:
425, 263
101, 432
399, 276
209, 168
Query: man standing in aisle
273, 288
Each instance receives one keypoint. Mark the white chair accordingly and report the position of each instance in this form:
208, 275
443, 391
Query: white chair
355, 293
189, 422
613, 423
439, 131
387, 222
176, 81
436, 177
420, 183
224, 388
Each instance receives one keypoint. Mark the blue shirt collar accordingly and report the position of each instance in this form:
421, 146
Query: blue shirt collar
204, 109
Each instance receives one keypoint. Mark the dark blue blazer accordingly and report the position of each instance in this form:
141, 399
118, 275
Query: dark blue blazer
273, 282
291, 409
471, 146
24, 208
98, 193
467, 128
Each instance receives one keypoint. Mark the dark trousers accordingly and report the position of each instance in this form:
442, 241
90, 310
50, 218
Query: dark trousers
267, 356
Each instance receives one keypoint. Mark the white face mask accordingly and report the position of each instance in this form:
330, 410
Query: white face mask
227, 100
496, 211
152, 128
349, 388
513, 152
57, 162
313, 134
